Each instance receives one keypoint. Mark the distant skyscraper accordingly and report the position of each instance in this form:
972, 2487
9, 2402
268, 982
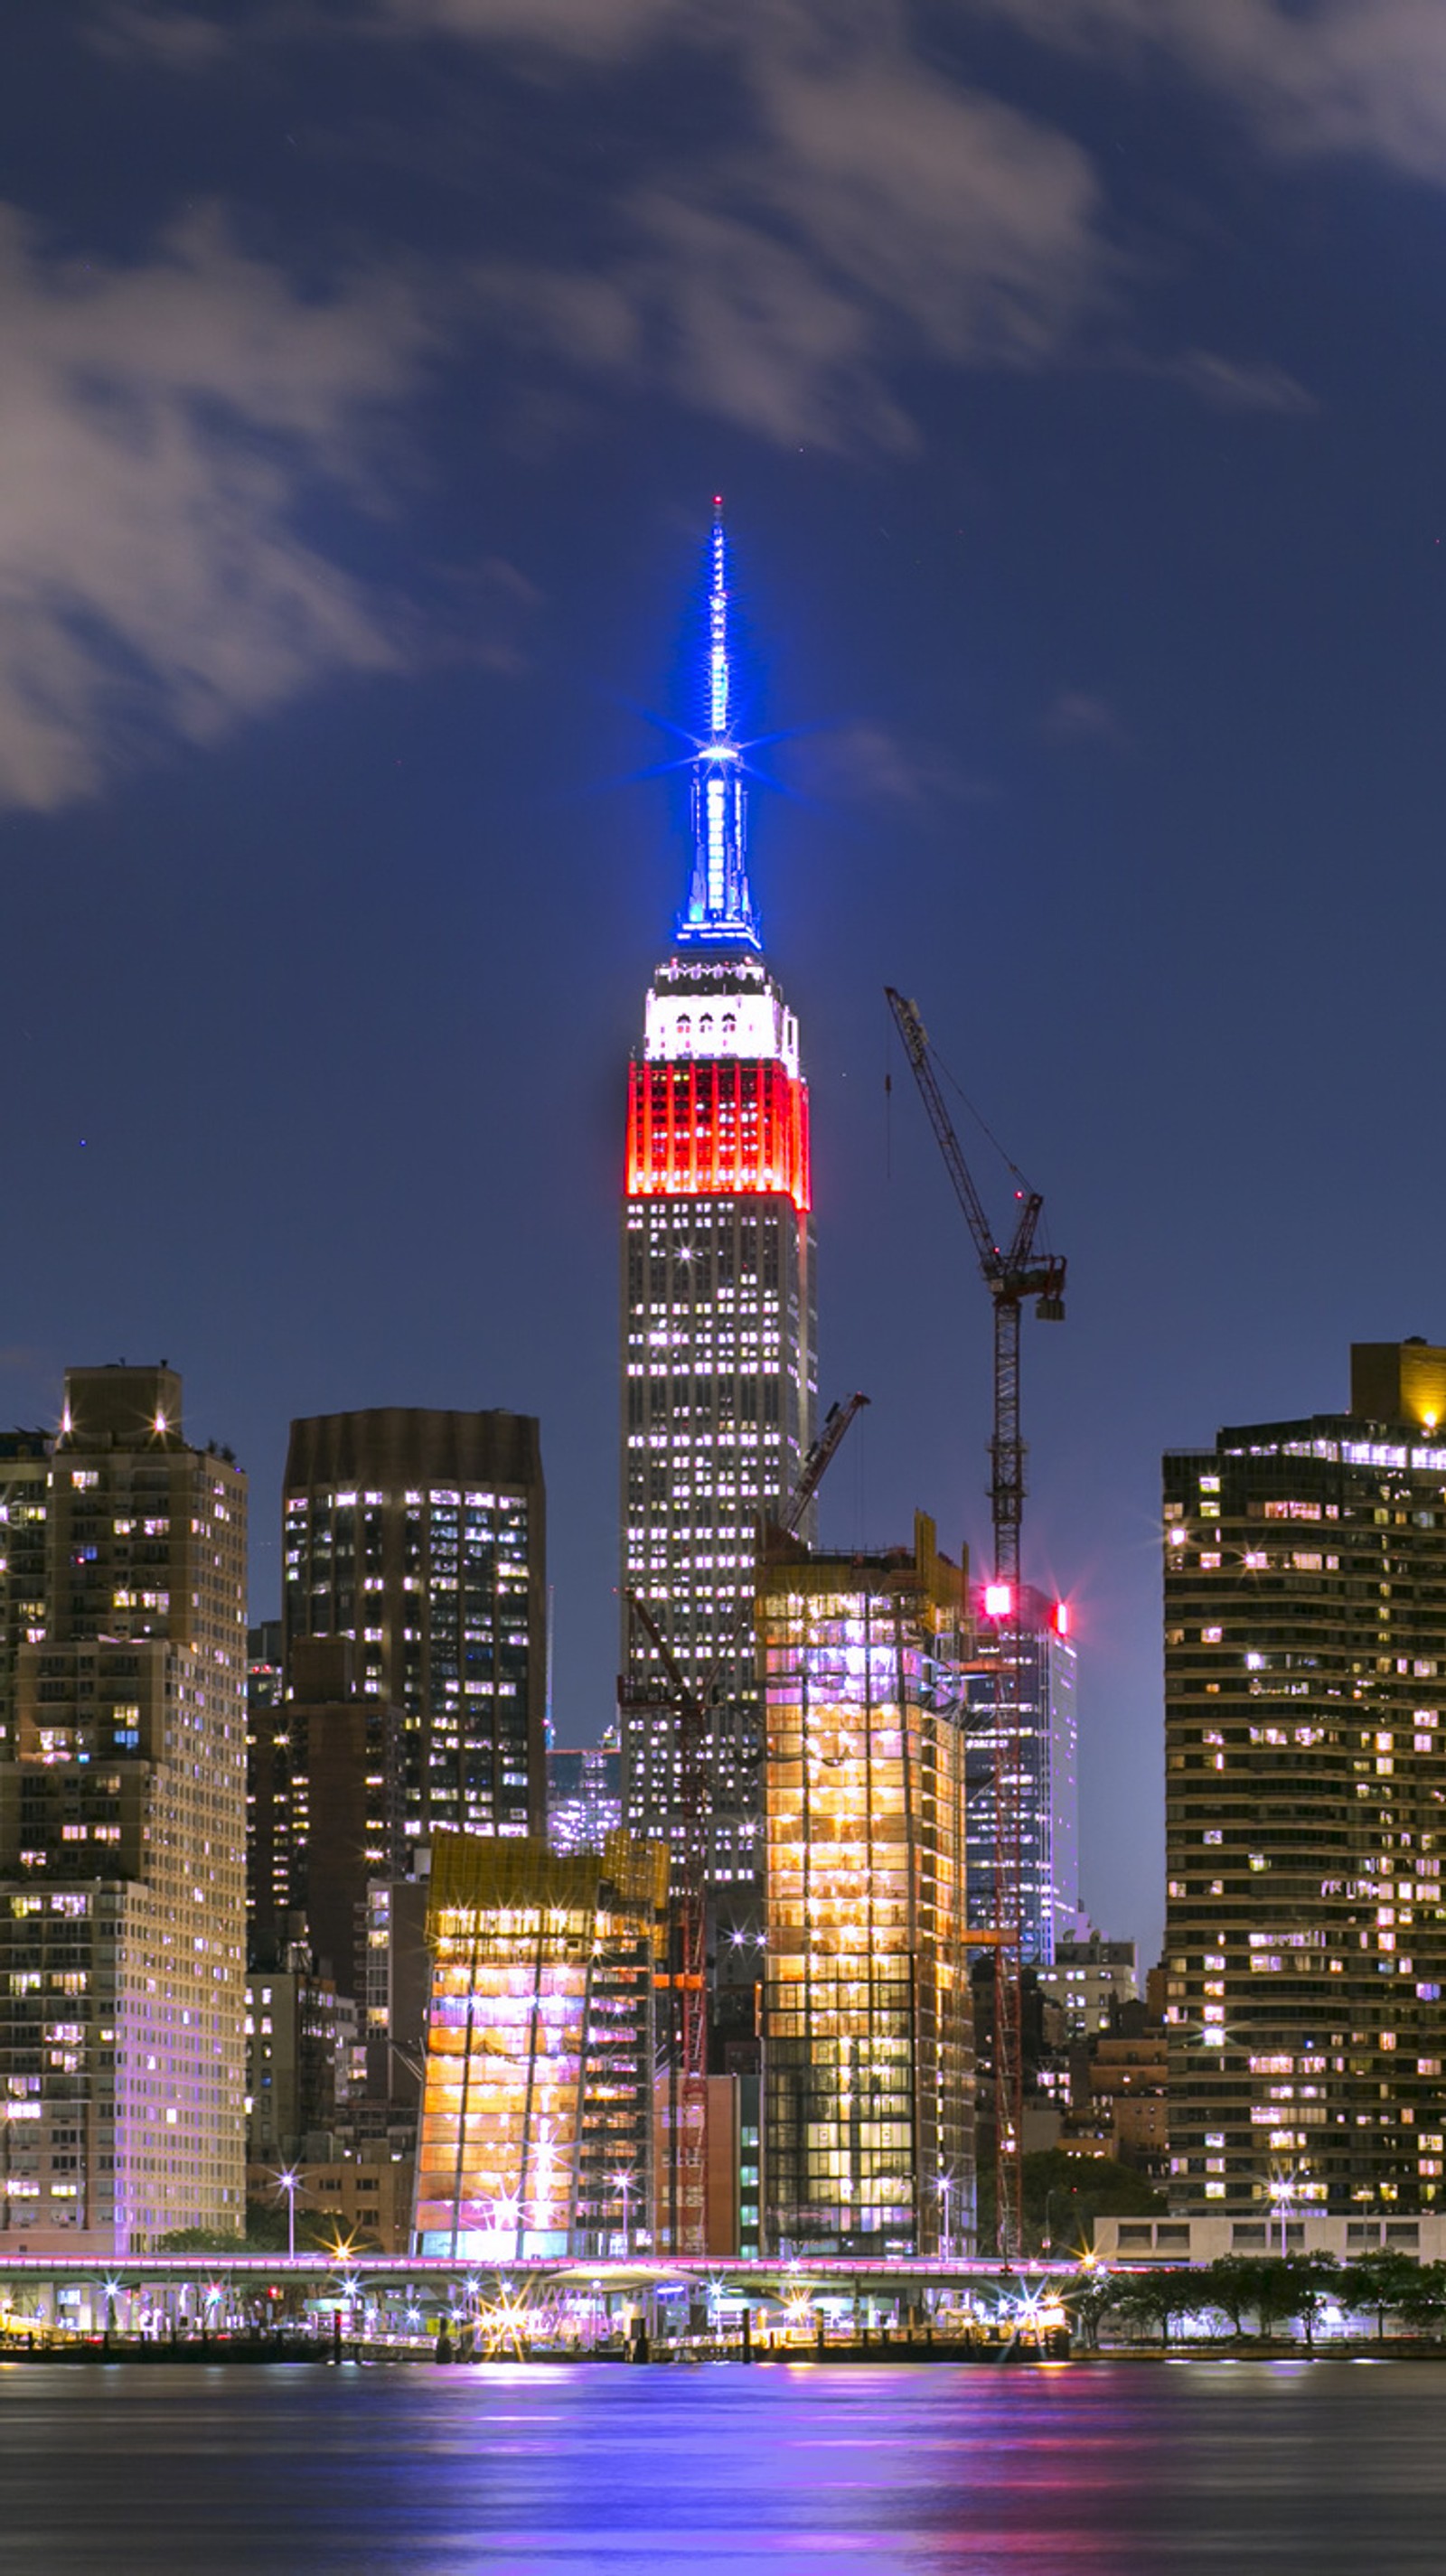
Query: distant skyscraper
584, 1797
718, 1325
1046, 1733
1305, 1726
422, 1536
868, 2143
122, 1825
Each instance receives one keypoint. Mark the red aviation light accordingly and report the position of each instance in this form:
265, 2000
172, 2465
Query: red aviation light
998, 1600
1061, 1618
716, 1127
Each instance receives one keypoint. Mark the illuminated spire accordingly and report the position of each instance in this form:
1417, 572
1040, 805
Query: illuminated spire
719, 910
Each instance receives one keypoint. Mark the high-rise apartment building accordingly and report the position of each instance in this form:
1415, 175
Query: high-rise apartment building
122, 1825
1045, 1736
422, 1537
868, 2144
326, 1800
718, 1322
24, 1512
1305, 1674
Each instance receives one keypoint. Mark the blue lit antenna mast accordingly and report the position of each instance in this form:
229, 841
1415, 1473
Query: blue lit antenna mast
719, 910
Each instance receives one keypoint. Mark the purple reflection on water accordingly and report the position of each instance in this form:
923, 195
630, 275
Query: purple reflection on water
1086, 2470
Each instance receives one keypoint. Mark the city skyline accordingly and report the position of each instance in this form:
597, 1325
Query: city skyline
1076, 412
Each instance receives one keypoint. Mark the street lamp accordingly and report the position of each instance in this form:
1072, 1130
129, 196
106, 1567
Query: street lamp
288, 2180
1282, 2201
944, 2186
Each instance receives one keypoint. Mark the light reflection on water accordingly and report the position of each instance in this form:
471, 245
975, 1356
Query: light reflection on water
1112, 2469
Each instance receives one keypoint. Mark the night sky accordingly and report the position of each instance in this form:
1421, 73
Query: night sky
1073, 370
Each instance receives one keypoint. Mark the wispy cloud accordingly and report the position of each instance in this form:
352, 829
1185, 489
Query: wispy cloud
1078, 716
1358, 76
598, 28
868, 764
862, 210
1239, 384
178, 41
162, 426
858, 210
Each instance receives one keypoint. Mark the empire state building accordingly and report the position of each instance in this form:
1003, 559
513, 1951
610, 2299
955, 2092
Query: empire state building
718, 1301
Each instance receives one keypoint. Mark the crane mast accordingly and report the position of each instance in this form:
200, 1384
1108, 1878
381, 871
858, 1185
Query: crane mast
1011, 1274
688, 1945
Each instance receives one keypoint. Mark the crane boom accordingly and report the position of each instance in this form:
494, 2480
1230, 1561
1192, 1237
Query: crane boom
916, 1047
1010, 1277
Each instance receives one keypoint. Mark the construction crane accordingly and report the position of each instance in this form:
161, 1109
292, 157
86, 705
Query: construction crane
687, 1966
1012, 1273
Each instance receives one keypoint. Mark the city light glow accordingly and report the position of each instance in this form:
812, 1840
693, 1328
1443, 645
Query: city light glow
719, 910
717, 1128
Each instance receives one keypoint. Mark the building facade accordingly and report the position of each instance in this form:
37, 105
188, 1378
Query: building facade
122, 1828
297, 2053
24, 1511
326, 1796
868, 2143
1091, 1978
536, 2133
1305, 1674
1046, 1735
718, 1317
421, 1536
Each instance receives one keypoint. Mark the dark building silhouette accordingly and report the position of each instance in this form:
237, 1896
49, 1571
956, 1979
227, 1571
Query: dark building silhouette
326, 1811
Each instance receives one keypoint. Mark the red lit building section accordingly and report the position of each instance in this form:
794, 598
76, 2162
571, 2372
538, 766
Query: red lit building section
713, 1127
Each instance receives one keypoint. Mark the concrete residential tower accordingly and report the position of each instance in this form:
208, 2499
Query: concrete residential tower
1305, 1673
421, 1536
718, 1318
123, 1827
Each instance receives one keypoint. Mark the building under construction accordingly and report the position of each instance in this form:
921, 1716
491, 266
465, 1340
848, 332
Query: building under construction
869, 2118
538, 2102
1035, 1734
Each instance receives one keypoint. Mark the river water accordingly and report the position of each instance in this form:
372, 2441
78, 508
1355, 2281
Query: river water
1099, 2469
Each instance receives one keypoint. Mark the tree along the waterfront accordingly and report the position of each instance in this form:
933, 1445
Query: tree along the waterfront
1159, 2297
1383, 2281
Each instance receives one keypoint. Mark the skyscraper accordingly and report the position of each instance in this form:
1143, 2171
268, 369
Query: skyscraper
718, 1312
1044, 1734
869, 2102
122, 1826
1305, 1724
422, 1536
